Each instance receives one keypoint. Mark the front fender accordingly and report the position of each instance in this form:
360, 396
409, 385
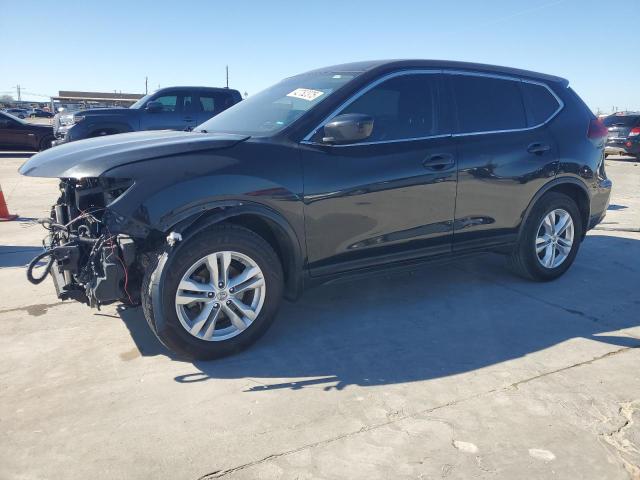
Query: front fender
120, 125
288, 242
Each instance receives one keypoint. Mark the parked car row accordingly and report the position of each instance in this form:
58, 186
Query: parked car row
16, 112
340, 172
623, 134
28, 113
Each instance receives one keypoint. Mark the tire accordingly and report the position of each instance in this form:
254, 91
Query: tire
525, 261
166, 271
45, 143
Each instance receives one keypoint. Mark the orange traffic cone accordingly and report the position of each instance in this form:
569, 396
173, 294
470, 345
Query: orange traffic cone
5, 216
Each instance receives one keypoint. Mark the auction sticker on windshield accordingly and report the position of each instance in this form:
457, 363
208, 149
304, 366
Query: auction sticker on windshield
305, 94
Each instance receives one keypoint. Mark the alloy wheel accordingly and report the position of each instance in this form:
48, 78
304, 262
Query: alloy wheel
220, 296
555, 238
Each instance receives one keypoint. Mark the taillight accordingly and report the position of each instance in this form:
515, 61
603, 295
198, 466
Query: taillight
634, 131
597, 130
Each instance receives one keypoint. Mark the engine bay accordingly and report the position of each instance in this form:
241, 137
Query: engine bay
88, 262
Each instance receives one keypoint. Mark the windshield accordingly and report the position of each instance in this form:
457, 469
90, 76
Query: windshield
141, 102
273, 109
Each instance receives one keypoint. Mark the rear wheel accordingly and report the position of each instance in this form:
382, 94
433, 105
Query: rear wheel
218, 292
550, 239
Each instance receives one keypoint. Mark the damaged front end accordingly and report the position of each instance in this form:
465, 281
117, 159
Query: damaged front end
88, 261
102, 230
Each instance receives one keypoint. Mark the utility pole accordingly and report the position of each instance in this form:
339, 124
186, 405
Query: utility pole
18, 92
227, 68
146, 81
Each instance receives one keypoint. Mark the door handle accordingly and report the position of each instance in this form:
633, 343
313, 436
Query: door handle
439, 161
538, 148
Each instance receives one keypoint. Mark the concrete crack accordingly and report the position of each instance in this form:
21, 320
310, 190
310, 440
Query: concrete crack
616, 229
579, 364
627, 451
403, 416
545, 302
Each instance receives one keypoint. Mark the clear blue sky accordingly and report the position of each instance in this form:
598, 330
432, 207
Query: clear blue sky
104, 46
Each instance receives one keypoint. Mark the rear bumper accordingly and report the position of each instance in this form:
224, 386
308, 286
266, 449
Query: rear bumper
629, 146
599, 202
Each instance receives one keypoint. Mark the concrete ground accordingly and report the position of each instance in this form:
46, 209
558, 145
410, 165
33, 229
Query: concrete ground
458, 371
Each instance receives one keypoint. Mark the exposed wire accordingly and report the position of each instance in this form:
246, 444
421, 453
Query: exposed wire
32, 265
124, 267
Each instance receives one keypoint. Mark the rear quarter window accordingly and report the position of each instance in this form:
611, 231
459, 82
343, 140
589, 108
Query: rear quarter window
215, 101
486, 104
540, 102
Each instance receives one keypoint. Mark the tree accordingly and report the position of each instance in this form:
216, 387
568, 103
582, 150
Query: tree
6, 99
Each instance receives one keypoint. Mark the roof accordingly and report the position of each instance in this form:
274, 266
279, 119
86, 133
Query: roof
189, 87
366, 66
70, 94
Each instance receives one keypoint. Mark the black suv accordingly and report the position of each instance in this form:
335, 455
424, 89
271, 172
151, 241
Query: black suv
624, 134
173, 108
343, 171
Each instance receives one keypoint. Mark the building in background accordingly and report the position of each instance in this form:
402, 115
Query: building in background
73, 100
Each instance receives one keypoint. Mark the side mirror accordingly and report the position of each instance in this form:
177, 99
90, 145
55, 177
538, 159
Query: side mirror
154, 107
347, 128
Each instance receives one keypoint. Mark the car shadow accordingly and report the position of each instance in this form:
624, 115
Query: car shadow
614, 207
17, 154
435, 322
17, 255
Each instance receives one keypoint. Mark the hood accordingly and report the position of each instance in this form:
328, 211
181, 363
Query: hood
95, 156
104, 111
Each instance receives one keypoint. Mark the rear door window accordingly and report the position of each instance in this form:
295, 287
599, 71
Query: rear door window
486, 104
207, 103
540, 102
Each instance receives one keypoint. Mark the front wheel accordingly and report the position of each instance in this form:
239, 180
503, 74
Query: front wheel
45, 143
550, 239
218, 292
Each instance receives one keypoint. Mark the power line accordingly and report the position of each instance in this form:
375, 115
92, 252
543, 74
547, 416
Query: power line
38, 94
